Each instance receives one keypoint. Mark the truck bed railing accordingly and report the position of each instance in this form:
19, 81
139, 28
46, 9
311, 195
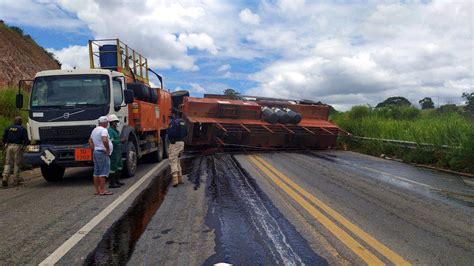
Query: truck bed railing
115, 55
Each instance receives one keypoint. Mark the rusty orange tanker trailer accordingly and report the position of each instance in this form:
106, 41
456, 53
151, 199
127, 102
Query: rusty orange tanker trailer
256, 123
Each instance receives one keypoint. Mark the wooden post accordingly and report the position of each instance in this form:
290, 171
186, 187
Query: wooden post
134, 63
146, 69
91, 55
119, 58
141, 66
127, 64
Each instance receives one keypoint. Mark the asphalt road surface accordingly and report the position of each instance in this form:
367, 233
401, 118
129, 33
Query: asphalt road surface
315, 208
40, 216
355, 208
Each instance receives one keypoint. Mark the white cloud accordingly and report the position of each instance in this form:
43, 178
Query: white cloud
291, 5
341, 53
200, 41
196, 88
223, 68
42, 14
165, 31
395, 50
72, 56
246, 16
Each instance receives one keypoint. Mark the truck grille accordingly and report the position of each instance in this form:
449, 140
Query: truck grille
65, 135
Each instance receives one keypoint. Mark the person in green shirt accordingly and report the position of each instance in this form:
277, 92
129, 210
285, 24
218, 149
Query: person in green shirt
116, 163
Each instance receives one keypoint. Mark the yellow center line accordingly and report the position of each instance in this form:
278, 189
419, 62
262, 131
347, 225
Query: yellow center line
374, 243
344, 237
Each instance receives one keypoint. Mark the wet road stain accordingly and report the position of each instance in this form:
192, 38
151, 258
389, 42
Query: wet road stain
171, 242
326, 157
466, 199
249, 229
166, 231
194, 166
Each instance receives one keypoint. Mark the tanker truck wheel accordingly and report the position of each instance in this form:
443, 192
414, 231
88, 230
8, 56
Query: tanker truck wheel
52, 172
156, 156
166, 147
130, 165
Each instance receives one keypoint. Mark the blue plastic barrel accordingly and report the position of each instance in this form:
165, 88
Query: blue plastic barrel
108, 56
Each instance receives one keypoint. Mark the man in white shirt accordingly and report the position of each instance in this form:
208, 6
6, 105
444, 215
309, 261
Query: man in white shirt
102, 146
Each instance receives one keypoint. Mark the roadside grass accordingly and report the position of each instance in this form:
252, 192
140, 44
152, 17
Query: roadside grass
8, 111
454, 129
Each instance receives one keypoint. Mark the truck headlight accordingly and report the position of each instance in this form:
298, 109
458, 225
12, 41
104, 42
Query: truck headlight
32, 148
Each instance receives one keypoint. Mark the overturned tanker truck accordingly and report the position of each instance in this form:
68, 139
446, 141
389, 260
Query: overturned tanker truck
256, 123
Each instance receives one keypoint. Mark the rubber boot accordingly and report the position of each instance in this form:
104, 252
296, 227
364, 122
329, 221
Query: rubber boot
113, 181
180, 179
117, 178
175, 180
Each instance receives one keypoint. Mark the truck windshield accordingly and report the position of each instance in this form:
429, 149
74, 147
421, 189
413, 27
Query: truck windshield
72, 90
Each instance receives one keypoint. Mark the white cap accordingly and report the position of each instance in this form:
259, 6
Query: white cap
112, 118
103, 119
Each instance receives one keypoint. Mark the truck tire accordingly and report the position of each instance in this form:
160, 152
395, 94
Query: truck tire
153, 95
131, 159
166, 147
140, 91
52, 173
157, 156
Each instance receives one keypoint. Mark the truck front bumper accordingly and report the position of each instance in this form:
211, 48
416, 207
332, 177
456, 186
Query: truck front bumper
61, 155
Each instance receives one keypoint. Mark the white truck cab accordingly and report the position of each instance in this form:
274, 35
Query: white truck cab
63, 109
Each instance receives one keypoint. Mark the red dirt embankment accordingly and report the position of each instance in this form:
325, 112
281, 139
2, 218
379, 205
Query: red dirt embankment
20, 57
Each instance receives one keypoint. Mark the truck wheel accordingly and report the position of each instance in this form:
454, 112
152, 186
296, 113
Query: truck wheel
166, 147
52, 173
130, 166
157, 156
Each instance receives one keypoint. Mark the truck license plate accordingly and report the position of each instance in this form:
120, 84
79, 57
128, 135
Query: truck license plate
83, 154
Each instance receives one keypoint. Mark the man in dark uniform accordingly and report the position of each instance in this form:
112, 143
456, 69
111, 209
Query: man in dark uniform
176, 132
15, 138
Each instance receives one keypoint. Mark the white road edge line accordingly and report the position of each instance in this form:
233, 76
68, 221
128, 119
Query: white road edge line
74, 239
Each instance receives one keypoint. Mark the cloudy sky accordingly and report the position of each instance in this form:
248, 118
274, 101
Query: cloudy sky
343, 53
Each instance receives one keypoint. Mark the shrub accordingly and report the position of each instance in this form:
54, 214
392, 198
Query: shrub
17, 30
398, 112
448, 108
411, 124
359, 112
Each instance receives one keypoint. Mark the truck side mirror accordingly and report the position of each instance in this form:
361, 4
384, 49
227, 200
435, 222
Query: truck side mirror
128, 96
19, 101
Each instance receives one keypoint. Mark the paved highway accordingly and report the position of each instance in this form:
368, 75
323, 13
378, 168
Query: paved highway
366, 209
38, 218
316, 208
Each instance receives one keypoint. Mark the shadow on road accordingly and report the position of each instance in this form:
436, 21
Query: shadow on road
73, 177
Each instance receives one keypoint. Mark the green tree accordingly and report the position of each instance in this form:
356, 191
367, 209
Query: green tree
358, 112
426, 103
232, 94
394, 101
469, 101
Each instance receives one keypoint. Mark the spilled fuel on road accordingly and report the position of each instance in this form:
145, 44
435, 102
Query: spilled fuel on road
249, 229
118, 242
